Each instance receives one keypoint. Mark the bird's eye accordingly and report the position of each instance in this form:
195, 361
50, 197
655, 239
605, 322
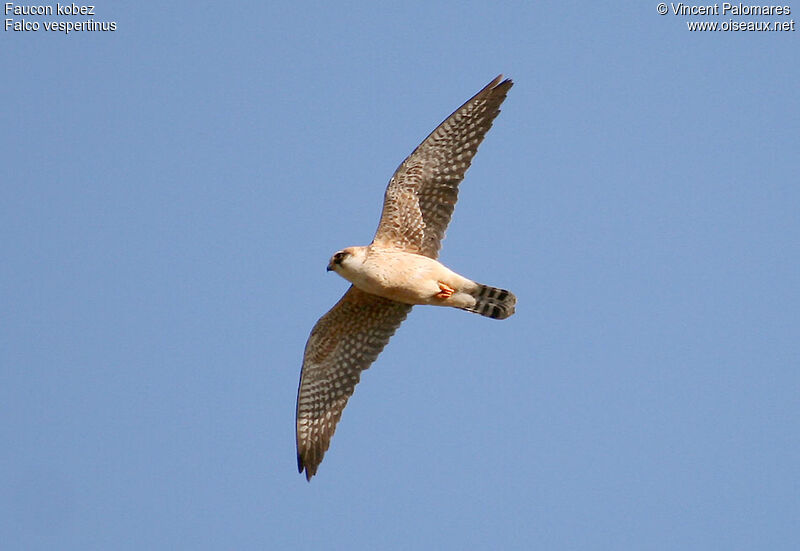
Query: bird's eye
338, 257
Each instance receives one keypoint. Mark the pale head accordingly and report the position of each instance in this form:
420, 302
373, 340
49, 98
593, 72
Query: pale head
347, 261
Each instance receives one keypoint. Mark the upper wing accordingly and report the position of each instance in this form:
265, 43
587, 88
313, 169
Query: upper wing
344, 342
424, 189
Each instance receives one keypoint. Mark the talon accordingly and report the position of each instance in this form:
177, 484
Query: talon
445, 291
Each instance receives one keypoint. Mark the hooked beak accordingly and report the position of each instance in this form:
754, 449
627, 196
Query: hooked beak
329, 268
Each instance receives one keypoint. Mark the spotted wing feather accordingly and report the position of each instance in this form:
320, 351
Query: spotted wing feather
422, 194
343, 343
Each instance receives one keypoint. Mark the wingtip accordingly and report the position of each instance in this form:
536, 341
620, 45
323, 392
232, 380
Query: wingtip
301, 466
498, 86
500, 81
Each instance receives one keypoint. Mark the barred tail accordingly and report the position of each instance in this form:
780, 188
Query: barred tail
492, 302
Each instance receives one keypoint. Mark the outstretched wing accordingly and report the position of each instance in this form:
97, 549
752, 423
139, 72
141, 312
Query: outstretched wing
422, 194
343, 343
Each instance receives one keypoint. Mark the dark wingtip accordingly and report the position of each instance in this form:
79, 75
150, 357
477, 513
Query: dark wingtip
499, 81
497, 89
301, 466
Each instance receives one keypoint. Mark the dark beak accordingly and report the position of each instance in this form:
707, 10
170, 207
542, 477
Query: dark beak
329, 268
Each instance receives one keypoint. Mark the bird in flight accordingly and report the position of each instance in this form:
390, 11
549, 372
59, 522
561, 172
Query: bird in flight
396, 271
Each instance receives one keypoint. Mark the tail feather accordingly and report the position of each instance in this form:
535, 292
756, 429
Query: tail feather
492, 302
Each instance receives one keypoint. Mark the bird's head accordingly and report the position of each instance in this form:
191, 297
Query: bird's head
346, 260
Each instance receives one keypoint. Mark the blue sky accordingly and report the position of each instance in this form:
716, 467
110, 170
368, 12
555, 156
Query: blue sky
172, 192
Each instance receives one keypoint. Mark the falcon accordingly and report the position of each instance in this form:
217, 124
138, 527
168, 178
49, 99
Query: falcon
395, 272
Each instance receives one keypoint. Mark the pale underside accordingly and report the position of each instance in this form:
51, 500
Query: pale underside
418, 204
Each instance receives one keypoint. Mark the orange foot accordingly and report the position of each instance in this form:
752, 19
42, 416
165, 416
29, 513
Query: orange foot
445, 291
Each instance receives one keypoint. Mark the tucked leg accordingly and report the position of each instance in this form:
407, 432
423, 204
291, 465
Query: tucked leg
445, 291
